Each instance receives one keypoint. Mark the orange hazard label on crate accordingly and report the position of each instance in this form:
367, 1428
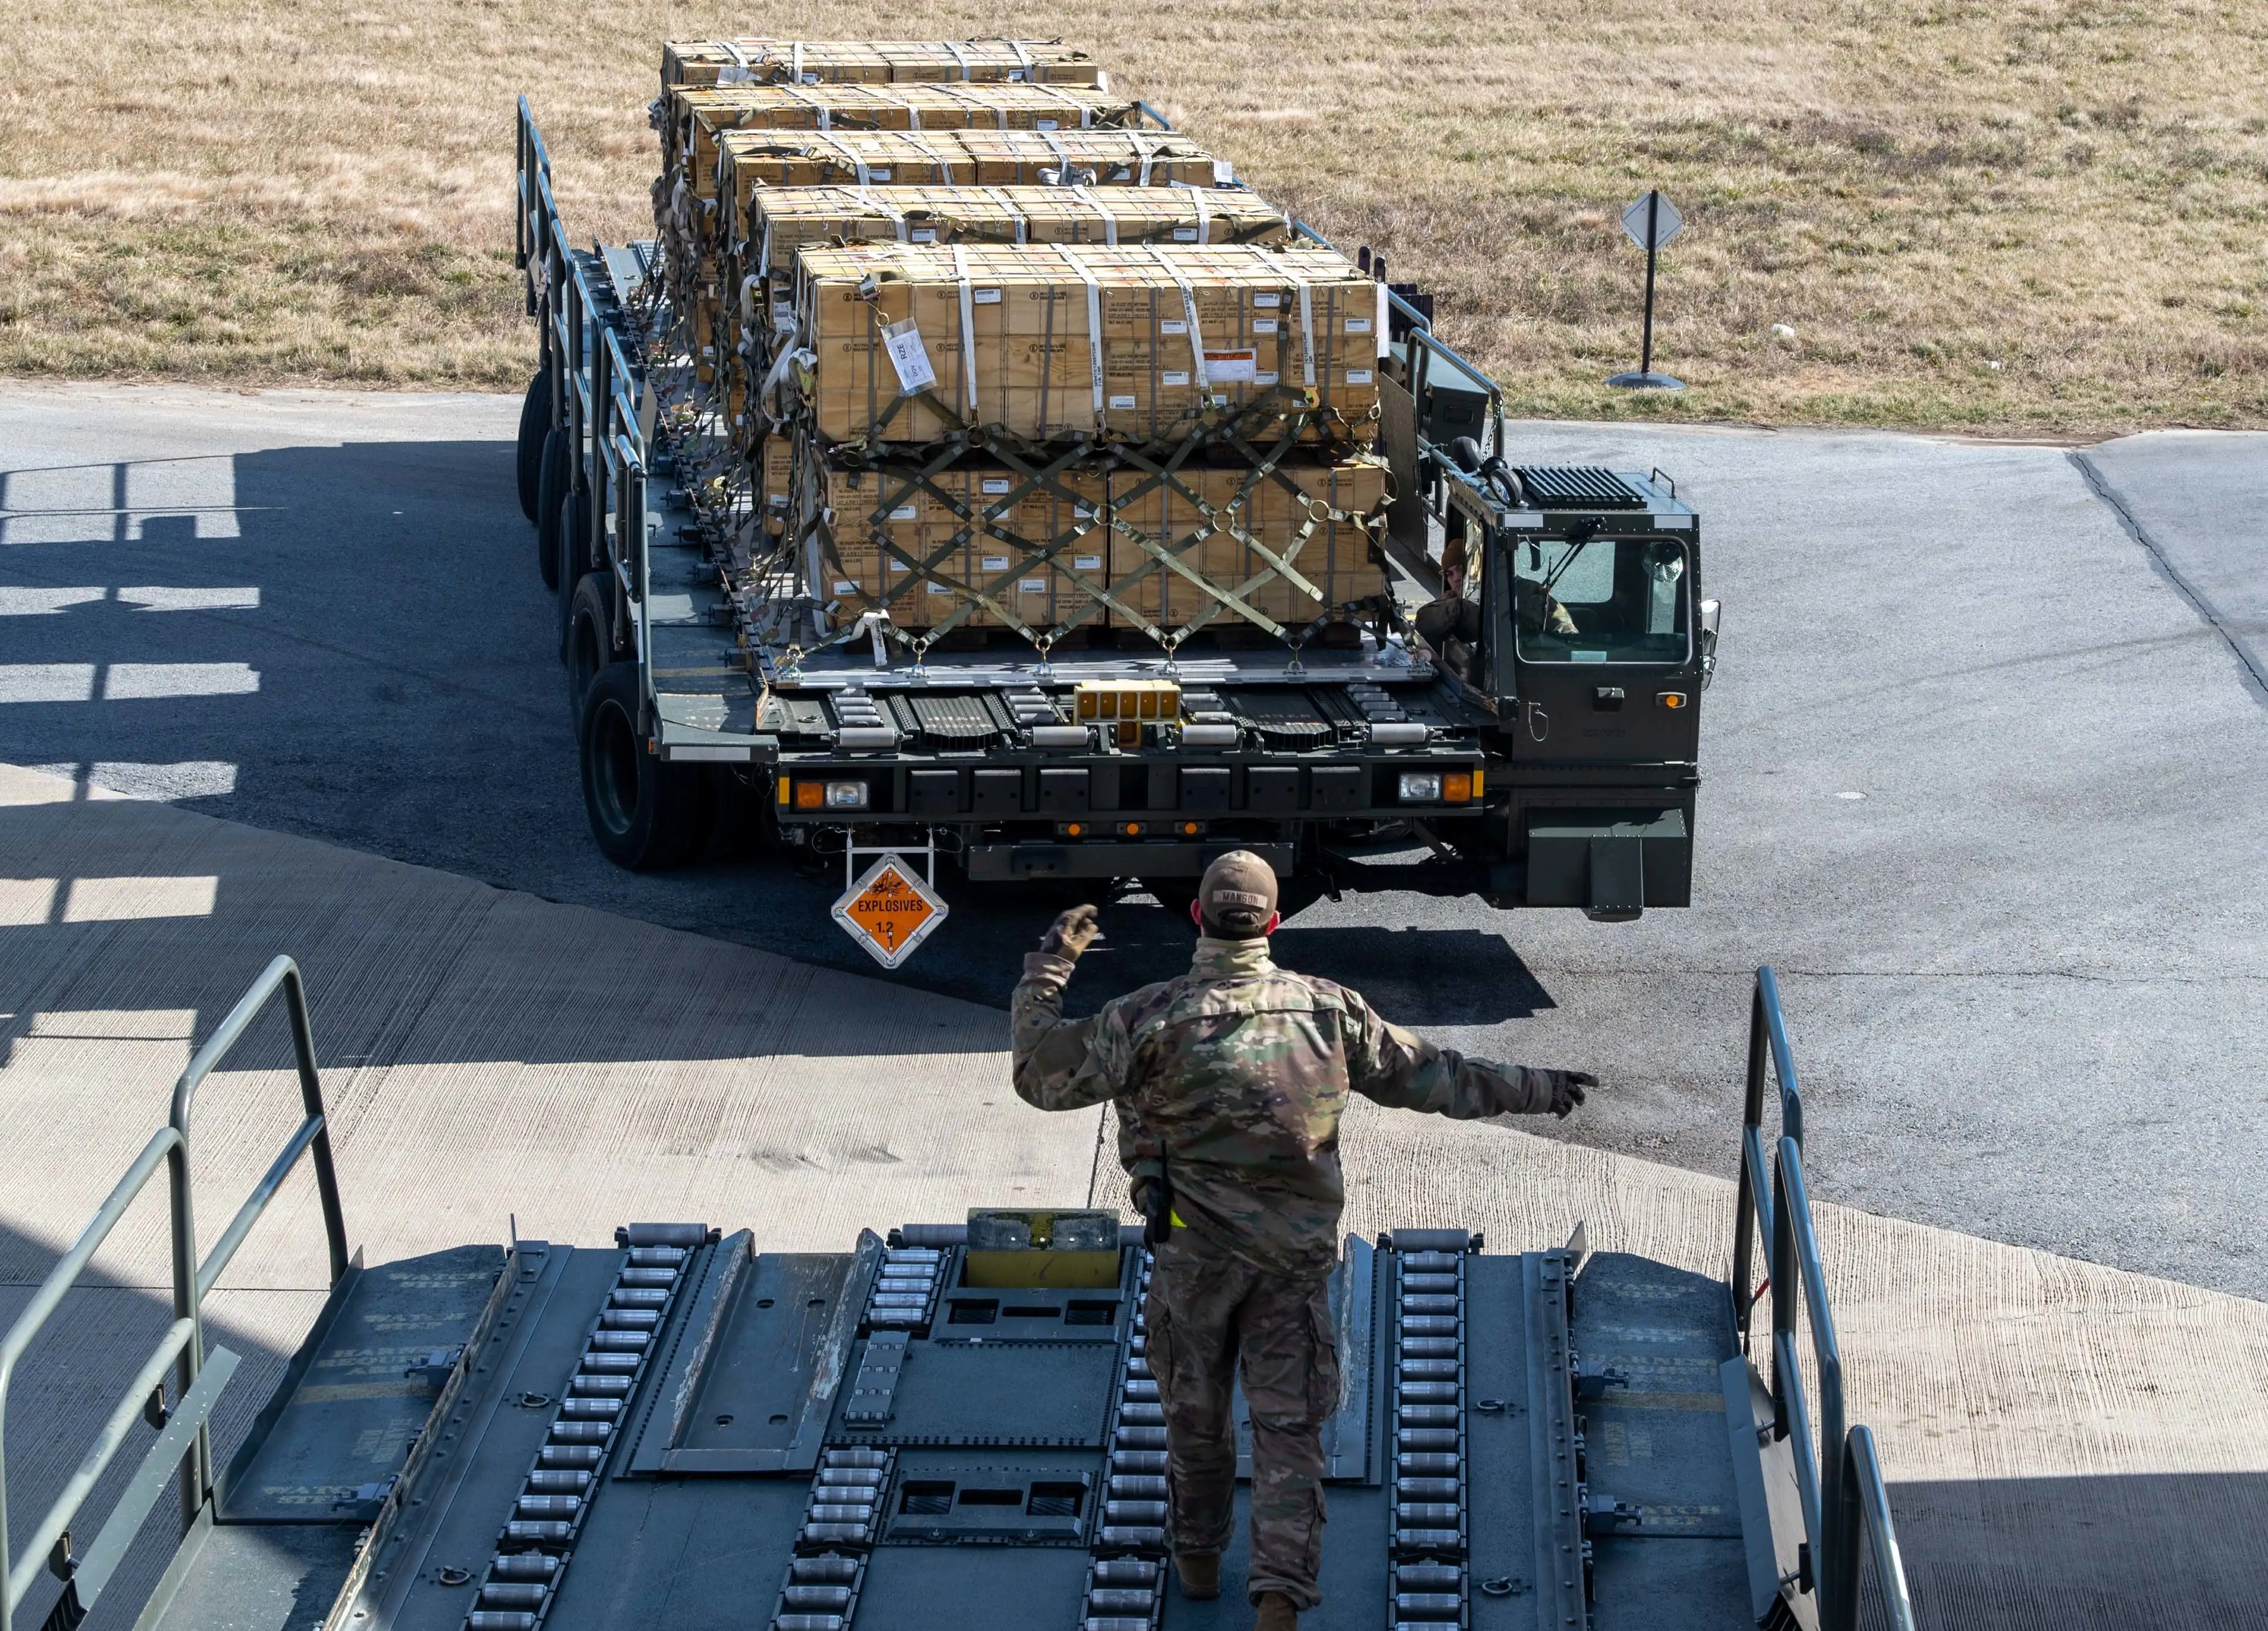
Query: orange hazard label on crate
889, 911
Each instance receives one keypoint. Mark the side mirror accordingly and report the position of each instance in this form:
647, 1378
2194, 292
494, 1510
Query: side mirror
1712, 616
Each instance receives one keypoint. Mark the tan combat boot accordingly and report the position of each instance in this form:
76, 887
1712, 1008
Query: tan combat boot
1199, 1573
1275, 1613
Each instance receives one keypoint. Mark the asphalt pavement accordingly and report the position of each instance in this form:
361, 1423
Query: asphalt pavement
1982, 775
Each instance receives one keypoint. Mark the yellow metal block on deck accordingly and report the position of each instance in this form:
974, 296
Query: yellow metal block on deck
1027, 1251
1129, 699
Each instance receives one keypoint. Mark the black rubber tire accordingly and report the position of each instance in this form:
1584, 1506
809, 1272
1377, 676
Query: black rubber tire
551, 494
590, 638
643, 812
534, 429
574, 557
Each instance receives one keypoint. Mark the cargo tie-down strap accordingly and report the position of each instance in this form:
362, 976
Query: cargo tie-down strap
999, 195
1110, 229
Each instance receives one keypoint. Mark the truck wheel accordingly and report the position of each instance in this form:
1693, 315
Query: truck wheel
534, 429
550, 496
574, 560
642, 811
590, 638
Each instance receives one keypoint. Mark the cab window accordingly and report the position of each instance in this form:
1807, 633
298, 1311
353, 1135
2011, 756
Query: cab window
1602, 599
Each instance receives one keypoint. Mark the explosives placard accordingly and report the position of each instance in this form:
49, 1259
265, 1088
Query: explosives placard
890, 911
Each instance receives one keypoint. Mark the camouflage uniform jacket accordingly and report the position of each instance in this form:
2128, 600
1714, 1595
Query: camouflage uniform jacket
1235, 1076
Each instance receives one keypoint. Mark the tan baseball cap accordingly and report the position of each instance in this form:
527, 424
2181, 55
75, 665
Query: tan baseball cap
1238, 894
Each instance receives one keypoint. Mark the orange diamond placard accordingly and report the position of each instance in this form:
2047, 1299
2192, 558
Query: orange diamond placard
889, 911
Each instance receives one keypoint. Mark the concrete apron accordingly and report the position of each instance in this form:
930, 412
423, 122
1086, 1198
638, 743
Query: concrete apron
2067, 1444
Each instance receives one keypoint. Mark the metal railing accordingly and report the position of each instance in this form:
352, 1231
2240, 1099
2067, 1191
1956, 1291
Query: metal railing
593, 385
1846, 1506
184, 1431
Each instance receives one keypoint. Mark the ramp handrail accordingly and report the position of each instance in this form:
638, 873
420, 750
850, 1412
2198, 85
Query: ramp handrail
186, 1426
1845, 1503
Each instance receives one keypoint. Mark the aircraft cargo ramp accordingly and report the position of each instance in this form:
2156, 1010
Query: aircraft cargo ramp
956, 1427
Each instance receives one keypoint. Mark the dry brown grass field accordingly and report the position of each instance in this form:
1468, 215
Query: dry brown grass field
2039, 216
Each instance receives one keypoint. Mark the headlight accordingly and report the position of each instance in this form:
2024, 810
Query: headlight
846, 794
1420, 787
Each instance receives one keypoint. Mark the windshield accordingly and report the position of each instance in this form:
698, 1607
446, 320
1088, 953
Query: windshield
1600, 599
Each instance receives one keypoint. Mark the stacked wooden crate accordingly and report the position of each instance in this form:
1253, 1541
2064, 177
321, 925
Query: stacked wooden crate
1003, 356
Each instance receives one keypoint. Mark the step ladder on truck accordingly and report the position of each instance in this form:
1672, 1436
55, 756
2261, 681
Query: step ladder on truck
955, 1426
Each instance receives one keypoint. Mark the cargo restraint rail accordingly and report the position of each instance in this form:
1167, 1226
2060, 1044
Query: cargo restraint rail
184, 1436
1845, 1505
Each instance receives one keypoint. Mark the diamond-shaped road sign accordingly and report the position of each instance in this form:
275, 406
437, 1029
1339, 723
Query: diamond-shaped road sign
889, 911
1667, 223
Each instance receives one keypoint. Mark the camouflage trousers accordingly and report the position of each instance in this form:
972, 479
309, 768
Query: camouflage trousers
1209, 1314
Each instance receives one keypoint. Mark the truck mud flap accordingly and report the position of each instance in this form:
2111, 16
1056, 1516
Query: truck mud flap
993, 864
1611, 862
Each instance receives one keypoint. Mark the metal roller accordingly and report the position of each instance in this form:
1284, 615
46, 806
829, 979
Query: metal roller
523, 1565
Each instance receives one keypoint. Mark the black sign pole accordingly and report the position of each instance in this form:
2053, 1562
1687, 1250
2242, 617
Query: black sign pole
1652, 242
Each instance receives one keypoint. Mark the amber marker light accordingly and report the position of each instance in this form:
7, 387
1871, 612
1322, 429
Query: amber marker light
1073, 829
785, 789
1132, 829
810, 795
1190, 829
1457, 787
1671, 699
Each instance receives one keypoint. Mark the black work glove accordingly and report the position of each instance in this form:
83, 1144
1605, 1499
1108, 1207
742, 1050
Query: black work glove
1070, 935
1567, 1090
1156, 1208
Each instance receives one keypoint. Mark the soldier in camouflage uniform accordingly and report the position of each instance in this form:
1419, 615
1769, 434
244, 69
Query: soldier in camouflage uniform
1229, 1083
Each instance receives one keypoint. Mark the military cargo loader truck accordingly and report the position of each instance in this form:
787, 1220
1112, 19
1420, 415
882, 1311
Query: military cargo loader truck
861, 620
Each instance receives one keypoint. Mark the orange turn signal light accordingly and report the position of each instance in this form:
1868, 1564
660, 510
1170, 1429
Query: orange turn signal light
1456, 787
810, 795
1671, 699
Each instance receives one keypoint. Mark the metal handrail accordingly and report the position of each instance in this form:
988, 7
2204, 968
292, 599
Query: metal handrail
183, 1344
1840, 1483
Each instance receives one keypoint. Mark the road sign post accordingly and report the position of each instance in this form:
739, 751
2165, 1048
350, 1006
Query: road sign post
1651, 221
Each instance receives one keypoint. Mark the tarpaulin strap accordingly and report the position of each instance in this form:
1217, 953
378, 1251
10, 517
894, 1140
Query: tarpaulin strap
967, 325
937, 161
1093, 325
1000, 195
849, 155
1190, 310
959, 55
1109, 220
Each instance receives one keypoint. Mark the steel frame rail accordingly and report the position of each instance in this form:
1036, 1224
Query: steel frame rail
591, 390
1846, 1506
184, 1434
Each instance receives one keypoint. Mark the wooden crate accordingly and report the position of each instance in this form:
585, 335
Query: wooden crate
752, 158
782, 219
877, 62
988, 542
1339, 556
701, 116
1013, 335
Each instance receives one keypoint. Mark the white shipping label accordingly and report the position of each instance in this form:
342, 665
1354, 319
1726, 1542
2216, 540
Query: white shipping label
1230, 367
922, 235
1172, 325
1358, 324
1224, 173
811, 79
1086, 563
1264, 380
905, 512
1032, 585
1044, 124
996, 563
1268, 297
1117, 402
903, 341
996, 484
935, 588
900, 566
1357, 376
1263, 326
846, 589
1185, 235
878, 172
783, 313
1084, 513
986, 297
1180, 378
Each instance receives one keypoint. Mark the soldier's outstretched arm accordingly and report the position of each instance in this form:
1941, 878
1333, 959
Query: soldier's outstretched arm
1401, 1068
1062, 1064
